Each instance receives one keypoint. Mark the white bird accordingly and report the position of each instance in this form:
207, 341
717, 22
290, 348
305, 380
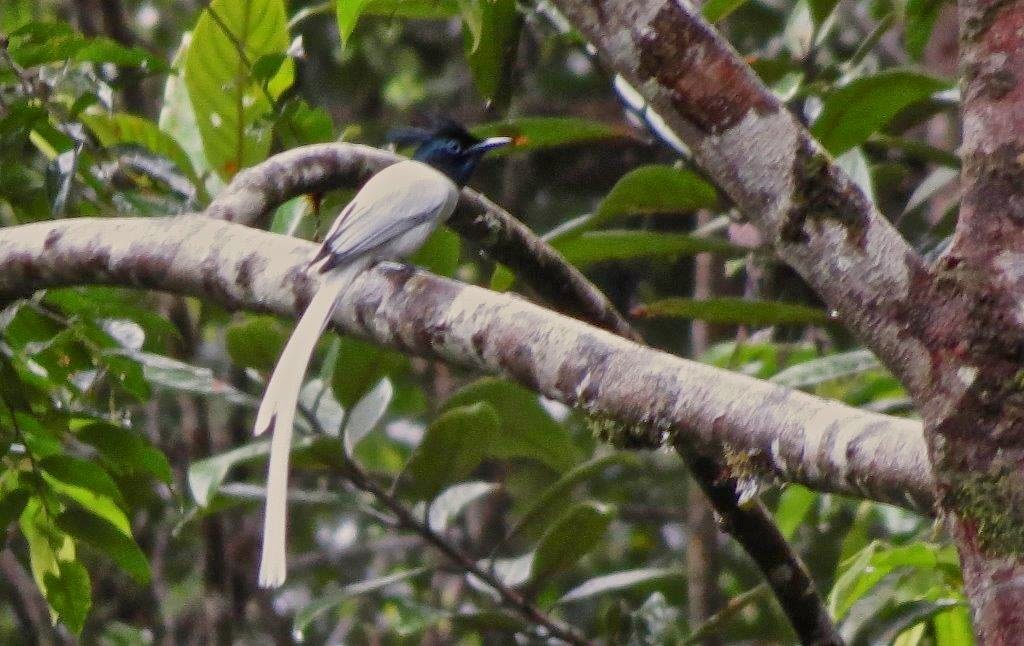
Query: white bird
389, 218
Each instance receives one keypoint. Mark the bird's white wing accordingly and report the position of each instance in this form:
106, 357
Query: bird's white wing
396, 200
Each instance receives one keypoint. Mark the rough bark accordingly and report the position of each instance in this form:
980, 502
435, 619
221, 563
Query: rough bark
765, 430
952, 332
979, 458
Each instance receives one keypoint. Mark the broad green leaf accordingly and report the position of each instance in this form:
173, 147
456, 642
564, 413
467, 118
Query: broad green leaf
562, 487
527, 430
861, 572
88, 485
453, 445
49, 549
347, 13
857, 110
602, 246
447, 506
232, 108
107, 539
205, 476
125, 450
953, 627
178, 119
490, 43
655, 190
619, 581
117, 129
794, 505
472, 12
367, 413
329, 600
179, 376
834, 366
734, 311
256, 342
920, 21
100, 303
903, 623
39, 43
821, 10
69, 593
538, 133
715, 10
569, 539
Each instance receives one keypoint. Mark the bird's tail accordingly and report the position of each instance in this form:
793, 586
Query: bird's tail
277, 411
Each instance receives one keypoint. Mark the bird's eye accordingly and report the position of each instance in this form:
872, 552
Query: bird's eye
453, 146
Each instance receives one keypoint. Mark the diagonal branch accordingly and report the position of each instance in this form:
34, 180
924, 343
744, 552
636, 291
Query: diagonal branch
770, 431
816, 218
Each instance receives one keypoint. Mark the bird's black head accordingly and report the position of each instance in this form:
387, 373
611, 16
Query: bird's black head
449, 148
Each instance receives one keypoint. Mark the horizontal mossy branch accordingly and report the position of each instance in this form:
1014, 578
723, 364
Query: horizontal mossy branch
782, 434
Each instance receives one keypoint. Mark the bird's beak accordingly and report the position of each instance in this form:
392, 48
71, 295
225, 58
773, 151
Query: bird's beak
490, 144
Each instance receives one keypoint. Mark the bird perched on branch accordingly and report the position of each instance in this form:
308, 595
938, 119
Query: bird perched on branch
389, 218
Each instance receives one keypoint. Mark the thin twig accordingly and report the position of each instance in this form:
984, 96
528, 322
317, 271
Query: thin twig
509, 596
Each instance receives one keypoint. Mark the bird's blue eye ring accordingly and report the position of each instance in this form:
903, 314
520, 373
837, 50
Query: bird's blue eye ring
453, 146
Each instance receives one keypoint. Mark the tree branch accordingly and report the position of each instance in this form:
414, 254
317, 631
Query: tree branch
767, 430
257, 190
817, 219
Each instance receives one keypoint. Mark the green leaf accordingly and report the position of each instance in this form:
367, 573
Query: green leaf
49, 550
69, 593
953, 627
857, 110
562, 487
834, 366
11, 505
205, 476
453, 445
107, 539
920, 21
118, 129
490, 44
367, 413
619, 582
602, 246
256, 342
301, 124
653, 190
347, 13
232, 107
864, 570
125, 450
734, 311
88, 485
538, 133
178, 119
794, 505
178, 376
527, 430
329, 600
447, 506
569, 539
715, 10
418, 9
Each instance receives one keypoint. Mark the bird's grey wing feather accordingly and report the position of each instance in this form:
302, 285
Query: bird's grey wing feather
396, 200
